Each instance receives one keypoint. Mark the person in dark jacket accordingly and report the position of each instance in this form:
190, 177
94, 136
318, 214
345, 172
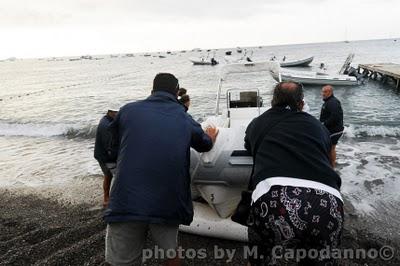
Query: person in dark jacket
182, 91
185, 101
184, 98
332, 118
105, 152
151, 189
296, 201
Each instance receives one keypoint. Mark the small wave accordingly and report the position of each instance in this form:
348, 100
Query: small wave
47, 130
87, 132
357, 131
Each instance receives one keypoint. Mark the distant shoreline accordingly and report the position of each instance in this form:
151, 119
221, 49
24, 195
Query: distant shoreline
5, 58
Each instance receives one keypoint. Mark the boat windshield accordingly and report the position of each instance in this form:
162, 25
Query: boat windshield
256, 76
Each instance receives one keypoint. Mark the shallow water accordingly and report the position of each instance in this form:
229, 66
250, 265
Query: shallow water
50, 110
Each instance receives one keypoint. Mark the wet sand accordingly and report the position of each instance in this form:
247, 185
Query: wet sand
36, 230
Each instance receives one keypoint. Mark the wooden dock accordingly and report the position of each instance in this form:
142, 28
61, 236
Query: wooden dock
382, 71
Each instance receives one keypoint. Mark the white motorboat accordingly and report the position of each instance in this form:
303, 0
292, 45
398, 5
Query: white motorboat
203, 61
315, 78
320, 77
297, 63
219, 176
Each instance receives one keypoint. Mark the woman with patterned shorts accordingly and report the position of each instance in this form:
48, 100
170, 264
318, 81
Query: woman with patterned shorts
297, 209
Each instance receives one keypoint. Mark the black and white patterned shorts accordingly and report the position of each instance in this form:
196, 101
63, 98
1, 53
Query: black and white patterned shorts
294, 218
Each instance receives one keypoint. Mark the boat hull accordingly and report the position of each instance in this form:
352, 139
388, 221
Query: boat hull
340, 80
207, 223
199, 63
202, 62
311, 81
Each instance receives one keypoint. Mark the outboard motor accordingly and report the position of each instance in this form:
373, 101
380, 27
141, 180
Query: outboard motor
352, 72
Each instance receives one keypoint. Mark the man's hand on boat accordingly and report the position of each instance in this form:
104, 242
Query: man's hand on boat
212, 132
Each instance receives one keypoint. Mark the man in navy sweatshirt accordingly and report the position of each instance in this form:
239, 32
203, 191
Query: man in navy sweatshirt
151, 189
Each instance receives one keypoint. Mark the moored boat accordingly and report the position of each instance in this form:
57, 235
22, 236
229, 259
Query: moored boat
315, 78
204, 61
297, 63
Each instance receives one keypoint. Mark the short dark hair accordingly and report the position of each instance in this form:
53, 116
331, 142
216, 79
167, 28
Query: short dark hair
166, 82
287, 93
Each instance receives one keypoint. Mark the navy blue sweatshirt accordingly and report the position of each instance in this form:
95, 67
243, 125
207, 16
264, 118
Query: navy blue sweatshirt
152, 182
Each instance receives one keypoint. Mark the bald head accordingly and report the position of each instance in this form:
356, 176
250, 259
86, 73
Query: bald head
288, 94
327, 91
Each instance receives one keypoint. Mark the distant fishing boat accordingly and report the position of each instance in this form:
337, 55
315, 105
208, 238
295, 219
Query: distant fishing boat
204, 61
88, 57
297, 63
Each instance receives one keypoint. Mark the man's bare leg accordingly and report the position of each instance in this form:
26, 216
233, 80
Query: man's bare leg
106, 190
333, 156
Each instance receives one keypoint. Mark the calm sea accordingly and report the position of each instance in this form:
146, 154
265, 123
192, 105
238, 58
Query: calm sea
50, 108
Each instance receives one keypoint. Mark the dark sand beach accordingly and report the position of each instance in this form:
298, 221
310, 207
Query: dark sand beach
39, 231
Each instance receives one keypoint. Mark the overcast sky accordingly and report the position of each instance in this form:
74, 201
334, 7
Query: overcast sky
38, 28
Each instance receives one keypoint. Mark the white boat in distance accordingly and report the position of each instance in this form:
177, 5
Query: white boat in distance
203, 61
315, 78
297, 63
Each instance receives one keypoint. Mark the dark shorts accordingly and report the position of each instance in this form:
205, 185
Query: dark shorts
105, 169
294, 218
335, 137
